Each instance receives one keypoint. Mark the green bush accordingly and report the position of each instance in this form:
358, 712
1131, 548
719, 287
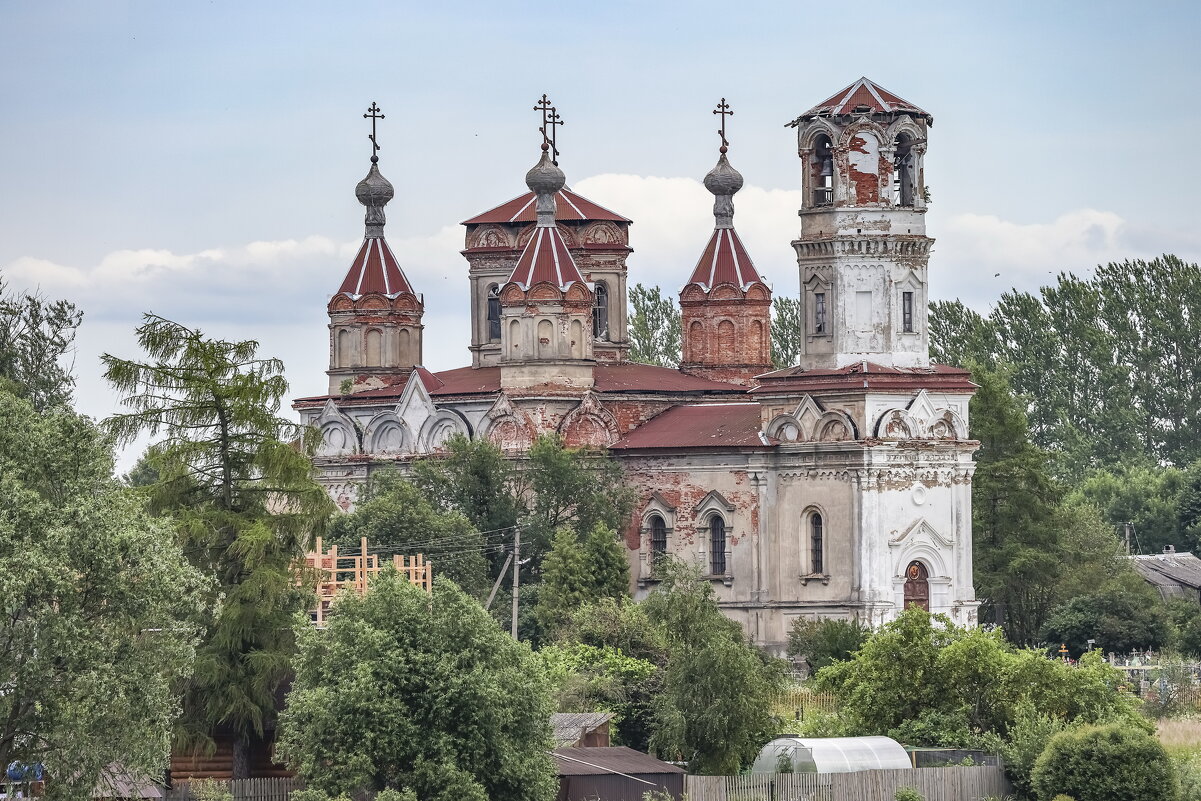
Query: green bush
1104, 763
908, 794
210, 790
1026, 740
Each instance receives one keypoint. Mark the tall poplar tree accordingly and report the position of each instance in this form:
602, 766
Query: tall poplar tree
237, 480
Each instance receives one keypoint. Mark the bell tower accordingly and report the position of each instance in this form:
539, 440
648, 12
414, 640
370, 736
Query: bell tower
863, 249
375, 317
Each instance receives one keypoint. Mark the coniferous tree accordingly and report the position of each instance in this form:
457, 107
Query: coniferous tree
580, 570
35, 336
238, 482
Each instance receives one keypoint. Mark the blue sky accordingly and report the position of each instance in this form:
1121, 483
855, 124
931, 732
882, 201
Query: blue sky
199, 159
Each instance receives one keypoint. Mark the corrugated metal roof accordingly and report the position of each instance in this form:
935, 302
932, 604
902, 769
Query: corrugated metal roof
866, 375
375, 269
1165, 569
725, 261
603, 761
568, 206
863, 96
570, 727
701, 425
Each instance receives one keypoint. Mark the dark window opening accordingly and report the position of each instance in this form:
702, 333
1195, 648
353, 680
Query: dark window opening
904, 173
907, 312
717, 546
823, 171
819, 312
658, 538
600, 312
494, 313
815, 542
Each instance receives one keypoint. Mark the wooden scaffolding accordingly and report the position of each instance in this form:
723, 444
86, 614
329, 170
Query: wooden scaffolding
337, 573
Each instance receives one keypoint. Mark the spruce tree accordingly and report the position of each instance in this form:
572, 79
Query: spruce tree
238, 482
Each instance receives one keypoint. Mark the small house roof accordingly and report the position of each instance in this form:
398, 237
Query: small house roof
1167, 570
606, 761
570, 727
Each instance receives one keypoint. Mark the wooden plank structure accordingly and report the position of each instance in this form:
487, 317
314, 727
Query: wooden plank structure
935, 784
242, 790
337, 573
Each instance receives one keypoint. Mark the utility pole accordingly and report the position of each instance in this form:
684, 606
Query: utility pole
1128, 527
499, 578
516, 574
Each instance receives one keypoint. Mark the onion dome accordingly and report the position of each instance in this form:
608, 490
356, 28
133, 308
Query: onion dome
545, 258
374, 192
723, 181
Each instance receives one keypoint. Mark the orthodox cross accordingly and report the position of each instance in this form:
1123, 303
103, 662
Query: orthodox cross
723, 108
549, 120
373, 114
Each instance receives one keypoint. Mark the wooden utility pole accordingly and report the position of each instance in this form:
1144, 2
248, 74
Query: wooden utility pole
516, 575
499, 578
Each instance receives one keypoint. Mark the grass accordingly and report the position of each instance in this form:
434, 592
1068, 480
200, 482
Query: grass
1180, 736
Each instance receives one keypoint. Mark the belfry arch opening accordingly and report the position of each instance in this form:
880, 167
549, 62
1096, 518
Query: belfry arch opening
494, 313
600, 312
823, 171
904, 172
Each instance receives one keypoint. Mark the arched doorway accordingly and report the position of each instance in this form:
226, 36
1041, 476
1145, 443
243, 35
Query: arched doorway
917, 587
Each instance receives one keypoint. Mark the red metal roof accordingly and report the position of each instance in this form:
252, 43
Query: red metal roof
866, 94
568, 206
702, 425
375, 269
546, 259
725, 261
866, 375
620, 377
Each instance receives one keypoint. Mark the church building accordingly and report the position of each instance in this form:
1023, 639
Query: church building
836, 488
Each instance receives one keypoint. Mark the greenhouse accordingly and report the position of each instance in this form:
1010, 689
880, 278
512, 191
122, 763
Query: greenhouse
830, 755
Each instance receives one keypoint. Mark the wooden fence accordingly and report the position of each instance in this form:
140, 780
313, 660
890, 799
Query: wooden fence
337, 572
242, 790
935, 784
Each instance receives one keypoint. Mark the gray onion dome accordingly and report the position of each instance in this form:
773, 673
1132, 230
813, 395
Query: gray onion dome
375, 189
723, 179
545, 178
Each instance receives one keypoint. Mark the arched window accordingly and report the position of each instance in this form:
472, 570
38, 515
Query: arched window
717, 546
823, 171
904, 172
494, 313
658, 538
600, 312
817, 560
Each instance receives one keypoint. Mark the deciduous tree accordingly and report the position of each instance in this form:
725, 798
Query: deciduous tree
410, 691
786, 331
35, 337
237, 480
579, 570
99, 608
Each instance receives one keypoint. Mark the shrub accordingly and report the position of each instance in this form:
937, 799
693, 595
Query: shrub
1027, 739
1102, 763
210, 790
908, 794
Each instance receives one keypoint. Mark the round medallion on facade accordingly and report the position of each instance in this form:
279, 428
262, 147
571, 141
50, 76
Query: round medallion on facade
918, 493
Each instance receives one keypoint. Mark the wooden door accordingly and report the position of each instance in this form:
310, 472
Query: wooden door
917, 587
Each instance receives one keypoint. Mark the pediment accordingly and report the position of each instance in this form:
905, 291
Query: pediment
922, 408
713, 500
921, 532
807, 414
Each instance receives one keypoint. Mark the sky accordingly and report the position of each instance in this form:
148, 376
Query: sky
198, 160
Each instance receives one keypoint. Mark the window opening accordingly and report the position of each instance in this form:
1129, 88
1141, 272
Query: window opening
493, 313
904, 171
600, 312
717, 545
823, 184
819, 312
658, 539
907, 312
815, 543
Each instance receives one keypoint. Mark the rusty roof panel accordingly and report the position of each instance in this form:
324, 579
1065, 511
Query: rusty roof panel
866, 376
725, 261
701, 425
568, 206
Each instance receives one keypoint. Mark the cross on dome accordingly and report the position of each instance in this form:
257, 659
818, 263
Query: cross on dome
374, 114
550, 120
